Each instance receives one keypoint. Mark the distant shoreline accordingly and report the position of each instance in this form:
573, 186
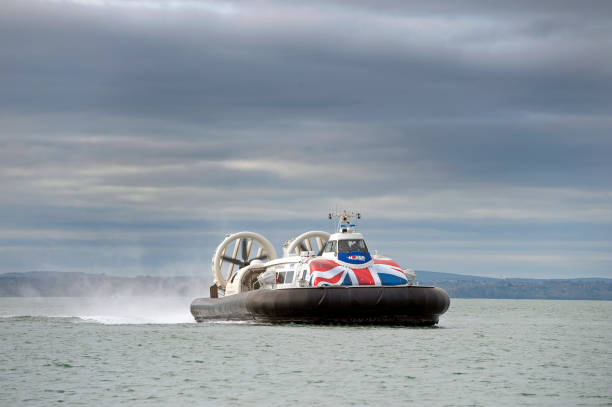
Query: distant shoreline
77, 284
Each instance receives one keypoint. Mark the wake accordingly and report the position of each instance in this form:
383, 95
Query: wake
107, 311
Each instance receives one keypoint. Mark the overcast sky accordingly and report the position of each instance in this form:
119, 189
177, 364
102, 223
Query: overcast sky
474, 137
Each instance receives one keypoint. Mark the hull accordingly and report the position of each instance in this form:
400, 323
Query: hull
387, 305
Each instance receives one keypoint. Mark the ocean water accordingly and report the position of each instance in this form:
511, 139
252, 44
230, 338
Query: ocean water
143, 351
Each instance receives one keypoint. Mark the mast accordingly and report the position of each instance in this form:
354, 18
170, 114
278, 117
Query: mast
344, 220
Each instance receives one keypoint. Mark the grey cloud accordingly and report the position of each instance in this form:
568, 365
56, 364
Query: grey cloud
130, 114
202, 67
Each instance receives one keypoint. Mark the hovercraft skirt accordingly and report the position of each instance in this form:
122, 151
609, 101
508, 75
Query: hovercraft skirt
389, 305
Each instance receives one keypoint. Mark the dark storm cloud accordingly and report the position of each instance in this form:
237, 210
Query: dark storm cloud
119, 114
339, 64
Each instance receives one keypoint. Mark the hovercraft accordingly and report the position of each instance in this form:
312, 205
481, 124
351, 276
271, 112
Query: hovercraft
339, 283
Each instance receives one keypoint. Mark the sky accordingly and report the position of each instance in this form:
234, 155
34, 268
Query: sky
474, 137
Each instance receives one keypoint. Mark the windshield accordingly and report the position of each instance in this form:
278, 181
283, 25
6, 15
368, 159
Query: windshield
352, 245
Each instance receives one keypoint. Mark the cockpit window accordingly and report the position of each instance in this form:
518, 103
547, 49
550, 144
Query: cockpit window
352, 245
331, 246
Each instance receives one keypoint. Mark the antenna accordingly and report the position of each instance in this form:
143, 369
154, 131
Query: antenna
344, 220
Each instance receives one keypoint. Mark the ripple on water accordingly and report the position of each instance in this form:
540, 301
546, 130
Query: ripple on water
486, 352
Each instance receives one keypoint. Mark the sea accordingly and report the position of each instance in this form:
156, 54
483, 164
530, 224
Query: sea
142, 351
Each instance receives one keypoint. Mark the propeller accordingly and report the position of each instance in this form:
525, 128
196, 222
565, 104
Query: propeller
245, 256
234, 261
320, 252
263, 257
305, 248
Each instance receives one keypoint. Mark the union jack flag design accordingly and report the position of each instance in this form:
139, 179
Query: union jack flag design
382, 272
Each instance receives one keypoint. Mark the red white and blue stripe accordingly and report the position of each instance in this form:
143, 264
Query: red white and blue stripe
382, 272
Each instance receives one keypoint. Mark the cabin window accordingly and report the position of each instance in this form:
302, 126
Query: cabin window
331, 246
304, 275
352, 245
280, 277
289, 277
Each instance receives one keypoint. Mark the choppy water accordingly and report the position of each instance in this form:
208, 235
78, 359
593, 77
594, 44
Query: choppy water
143, 351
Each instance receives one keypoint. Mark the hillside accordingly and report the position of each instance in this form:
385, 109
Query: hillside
465, 286
67, 284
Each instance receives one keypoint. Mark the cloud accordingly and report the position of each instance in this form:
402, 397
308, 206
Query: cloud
122, 121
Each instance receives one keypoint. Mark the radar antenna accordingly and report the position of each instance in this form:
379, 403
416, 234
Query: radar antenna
345, 224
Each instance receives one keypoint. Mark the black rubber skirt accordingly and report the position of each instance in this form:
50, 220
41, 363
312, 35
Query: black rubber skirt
403, 305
